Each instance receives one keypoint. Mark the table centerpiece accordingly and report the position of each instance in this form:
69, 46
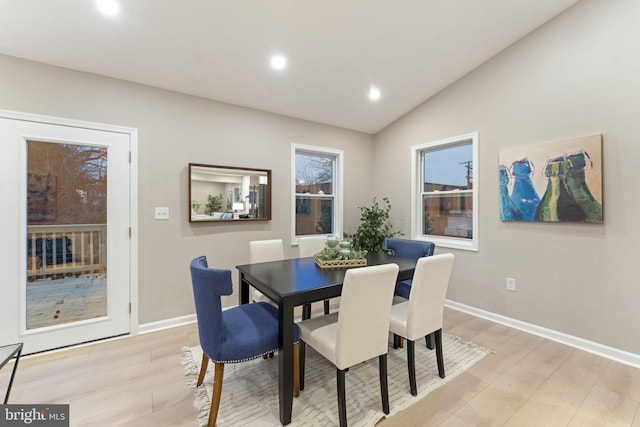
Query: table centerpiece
339, 254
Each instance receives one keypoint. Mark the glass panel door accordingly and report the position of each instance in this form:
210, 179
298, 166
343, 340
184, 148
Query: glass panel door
66, 251
66, 233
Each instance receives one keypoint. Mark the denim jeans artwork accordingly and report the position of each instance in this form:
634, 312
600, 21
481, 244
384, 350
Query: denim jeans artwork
566, 198
524, 196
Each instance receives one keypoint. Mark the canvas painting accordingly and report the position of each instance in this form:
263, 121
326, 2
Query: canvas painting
554, 182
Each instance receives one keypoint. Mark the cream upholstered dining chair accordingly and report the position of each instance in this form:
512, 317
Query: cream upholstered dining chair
422, 314
308, 246
413, 249
359, 331
265, 251
235, 335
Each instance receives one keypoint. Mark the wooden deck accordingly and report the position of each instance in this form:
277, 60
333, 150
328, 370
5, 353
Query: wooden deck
55, 251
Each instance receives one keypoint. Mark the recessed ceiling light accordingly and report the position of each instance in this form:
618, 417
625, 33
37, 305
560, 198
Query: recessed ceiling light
108, 7
278, 62
374, 93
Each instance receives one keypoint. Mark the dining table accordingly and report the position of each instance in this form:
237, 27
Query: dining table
300, 281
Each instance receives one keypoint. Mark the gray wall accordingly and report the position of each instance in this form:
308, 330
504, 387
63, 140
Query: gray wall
576, 76
174, 130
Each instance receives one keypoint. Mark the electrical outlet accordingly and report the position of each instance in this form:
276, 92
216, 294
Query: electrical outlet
162, 213
511, 284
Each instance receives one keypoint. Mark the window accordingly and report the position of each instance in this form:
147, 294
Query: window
317, 187
445, 202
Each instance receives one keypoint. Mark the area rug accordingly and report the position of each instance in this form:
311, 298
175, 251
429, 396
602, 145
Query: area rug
250, 389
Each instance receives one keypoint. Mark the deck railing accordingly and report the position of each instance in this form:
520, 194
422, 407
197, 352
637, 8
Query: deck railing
63, 250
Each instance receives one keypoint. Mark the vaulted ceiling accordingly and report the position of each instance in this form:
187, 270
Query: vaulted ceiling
335, 49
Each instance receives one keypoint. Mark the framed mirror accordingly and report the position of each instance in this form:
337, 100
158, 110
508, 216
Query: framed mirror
228, 193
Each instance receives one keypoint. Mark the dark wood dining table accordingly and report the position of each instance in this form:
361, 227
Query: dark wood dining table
293, 282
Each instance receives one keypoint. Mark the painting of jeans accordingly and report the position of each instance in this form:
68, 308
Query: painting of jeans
553, 182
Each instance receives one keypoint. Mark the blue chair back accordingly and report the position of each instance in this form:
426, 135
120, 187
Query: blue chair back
208, 285
409, 248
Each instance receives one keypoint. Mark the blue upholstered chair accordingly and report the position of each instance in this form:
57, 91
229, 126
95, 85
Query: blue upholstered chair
234, 335
408, 249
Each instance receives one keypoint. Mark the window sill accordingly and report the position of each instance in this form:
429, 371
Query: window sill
450, 242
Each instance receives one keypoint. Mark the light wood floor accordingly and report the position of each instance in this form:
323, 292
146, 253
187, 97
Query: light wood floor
525, 381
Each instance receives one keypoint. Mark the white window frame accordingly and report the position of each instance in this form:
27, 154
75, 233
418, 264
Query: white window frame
337, 186
417, 190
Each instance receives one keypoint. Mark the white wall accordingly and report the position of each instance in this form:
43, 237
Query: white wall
576, 76
174, 130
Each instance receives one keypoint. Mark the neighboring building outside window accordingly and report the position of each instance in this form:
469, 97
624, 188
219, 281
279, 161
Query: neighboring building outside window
445, 189
317, 189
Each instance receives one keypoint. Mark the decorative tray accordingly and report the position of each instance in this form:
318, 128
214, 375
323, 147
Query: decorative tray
341, 263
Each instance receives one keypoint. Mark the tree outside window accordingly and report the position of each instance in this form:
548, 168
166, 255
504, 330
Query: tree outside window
316, 191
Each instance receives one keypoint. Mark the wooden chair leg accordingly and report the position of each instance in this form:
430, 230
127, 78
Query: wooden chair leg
296, 370
301, 356
430, 340
203, 369
384, 386
342, 403
411, 365
218, 376
326, 306
398, 341
439, 358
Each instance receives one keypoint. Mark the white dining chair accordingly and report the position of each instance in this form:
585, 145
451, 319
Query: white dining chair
265, 251
359, 331
422, 313
308, 246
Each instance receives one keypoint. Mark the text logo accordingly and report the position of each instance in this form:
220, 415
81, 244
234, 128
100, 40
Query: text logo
34, 415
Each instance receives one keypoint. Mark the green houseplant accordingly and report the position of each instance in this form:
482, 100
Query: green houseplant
214, 204
374, 227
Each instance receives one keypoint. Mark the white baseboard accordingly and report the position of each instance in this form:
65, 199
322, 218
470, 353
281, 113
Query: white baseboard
589, 346
142, 329
611, 353
166, 324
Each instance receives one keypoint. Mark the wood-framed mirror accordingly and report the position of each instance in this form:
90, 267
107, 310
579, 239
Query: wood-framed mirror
228, 193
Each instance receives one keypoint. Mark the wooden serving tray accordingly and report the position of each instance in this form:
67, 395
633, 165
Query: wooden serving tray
341, 263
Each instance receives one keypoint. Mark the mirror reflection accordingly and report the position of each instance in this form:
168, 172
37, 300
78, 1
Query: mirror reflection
228, 193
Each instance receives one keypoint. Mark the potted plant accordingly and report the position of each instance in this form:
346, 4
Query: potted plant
195, 205
214, 204
374, 227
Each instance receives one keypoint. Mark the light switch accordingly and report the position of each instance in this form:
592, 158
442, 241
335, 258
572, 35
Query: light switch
162, 213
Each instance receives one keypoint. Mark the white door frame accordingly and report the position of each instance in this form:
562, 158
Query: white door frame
133, 190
